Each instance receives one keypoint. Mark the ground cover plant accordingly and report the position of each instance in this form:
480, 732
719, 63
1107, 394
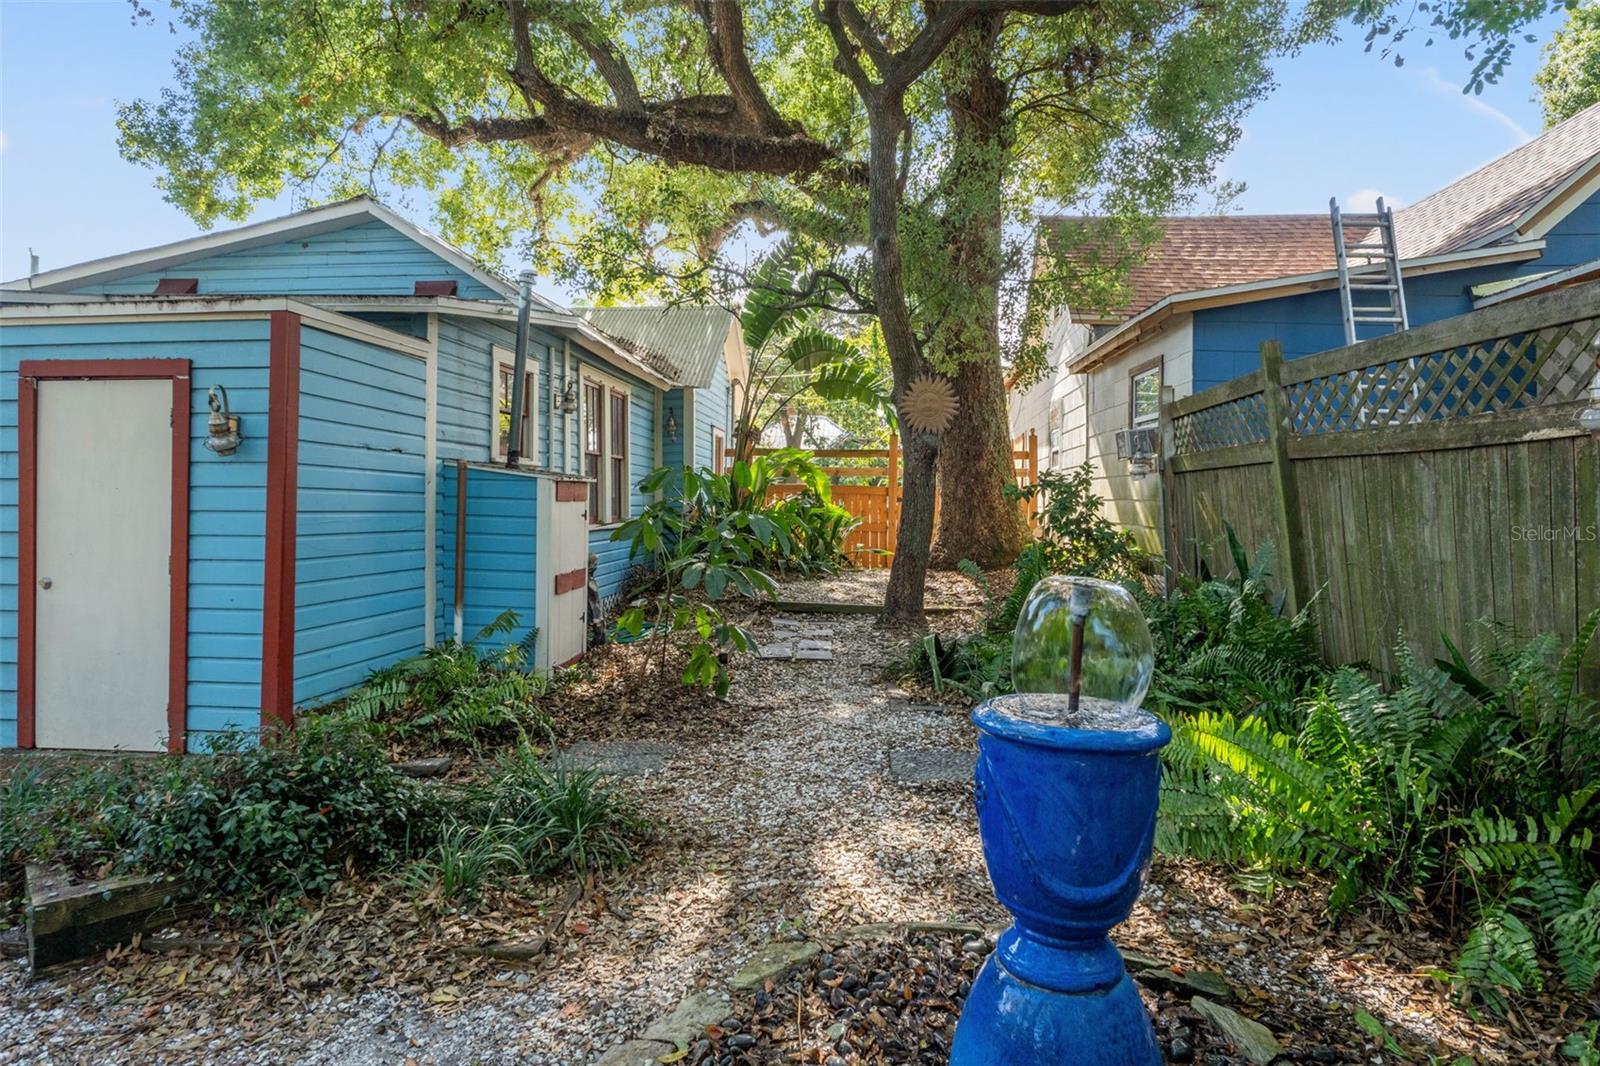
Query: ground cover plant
1467, 795
260, 824
717, 535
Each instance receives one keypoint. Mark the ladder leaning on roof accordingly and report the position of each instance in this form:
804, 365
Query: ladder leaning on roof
1377, 272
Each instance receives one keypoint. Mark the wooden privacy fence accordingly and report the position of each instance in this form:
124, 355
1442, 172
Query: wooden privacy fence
1423, 480
867, 483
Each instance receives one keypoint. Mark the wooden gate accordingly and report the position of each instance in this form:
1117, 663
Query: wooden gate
867, 482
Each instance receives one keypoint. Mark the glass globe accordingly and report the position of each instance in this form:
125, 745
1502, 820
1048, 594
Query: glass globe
1118, 656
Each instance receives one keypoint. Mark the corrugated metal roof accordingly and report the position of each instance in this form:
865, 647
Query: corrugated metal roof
688, 338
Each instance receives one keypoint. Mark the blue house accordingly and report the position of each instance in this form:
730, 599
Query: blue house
1213, 288
239, 472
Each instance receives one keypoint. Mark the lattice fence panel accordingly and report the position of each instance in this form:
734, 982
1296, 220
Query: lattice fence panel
1550, 365
1227, 425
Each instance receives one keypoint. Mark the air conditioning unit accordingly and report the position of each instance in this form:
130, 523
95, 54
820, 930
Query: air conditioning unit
1137, 447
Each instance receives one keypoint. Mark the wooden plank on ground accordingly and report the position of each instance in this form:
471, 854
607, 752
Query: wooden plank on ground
70, 921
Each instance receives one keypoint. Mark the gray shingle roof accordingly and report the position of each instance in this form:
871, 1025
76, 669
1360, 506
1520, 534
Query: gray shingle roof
1475, 210
689, 339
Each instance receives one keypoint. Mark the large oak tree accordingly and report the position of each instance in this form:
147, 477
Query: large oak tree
911, 144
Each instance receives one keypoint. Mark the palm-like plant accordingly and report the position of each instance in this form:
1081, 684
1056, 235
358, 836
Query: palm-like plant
791, 356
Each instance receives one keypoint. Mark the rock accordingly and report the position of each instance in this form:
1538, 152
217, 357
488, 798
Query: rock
1253, 1040
875, 931
688, 1019
1192, 983
931, 766
772, 961
1137, 961
1180, 1051
636, 1053
435, 767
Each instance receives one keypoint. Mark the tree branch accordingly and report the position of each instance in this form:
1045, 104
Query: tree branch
724, 22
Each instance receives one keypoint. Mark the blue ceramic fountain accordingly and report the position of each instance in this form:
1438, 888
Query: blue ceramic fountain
1067, 784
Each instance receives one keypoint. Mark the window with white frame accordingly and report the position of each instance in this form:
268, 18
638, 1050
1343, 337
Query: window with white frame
604, 421
1144, 396
617, 467
500, 429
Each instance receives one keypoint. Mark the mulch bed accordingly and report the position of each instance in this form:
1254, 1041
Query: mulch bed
897, 1001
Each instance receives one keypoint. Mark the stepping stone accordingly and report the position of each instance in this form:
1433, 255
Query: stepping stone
816, 632
931, 766
775, 651
787, 623
815, 654
435, 767
816, 645
622, 758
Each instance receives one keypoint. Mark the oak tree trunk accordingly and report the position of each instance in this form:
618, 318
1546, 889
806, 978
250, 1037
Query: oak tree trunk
976, 521
903, 602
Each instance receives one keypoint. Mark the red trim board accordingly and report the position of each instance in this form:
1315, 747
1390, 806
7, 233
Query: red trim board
572, 579
283, 452
29, 373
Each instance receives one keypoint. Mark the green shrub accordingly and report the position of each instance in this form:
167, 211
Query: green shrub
271, 821
529, 820
455, 694
1226, 645
1471, 789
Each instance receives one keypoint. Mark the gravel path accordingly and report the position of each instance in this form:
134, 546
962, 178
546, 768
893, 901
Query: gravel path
776, 816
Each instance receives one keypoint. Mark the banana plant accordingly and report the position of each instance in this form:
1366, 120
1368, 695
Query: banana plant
791, 356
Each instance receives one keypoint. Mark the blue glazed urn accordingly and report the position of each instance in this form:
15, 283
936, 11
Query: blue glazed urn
1067, 786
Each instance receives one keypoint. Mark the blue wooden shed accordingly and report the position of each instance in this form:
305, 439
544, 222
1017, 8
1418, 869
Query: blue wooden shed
158, 587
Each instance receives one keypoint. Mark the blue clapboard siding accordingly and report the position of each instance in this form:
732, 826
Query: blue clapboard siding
672, 450
227, 527
1227, 339
710, 413
359, 558
366, 258
501, 539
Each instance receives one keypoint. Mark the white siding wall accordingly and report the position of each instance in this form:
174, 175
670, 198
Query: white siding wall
1093, 407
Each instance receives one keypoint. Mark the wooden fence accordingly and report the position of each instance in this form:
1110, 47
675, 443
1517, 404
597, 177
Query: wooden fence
1421, 480
867, 483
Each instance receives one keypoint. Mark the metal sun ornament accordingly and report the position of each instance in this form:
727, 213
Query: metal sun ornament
929, 405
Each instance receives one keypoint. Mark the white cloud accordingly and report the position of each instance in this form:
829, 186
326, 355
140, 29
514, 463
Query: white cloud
1365, 201
1477, 105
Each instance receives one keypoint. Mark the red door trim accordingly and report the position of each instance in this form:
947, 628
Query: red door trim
283, 451
29, 373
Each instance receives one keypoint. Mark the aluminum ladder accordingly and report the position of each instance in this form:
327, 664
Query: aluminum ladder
1369, 267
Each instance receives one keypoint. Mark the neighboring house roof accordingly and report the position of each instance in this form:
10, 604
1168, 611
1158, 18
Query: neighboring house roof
324, 219
1528, 284
1502, 198
689, 340
1210, 251
1155, 317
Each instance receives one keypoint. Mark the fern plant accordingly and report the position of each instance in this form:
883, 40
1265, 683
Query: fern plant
457, 694
1471, 787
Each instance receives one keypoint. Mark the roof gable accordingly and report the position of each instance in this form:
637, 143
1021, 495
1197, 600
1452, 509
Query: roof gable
1499, 199
353, 247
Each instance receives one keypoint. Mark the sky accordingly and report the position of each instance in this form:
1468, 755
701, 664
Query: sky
1342, 122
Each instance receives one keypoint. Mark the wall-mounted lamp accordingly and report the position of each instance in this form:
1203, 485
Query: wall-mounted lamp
1589, 417
222, 434
672, 425
567, 402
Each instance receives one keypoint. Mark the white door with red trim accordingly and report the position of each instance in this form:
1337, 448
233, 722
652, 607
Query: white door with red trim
103, 535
